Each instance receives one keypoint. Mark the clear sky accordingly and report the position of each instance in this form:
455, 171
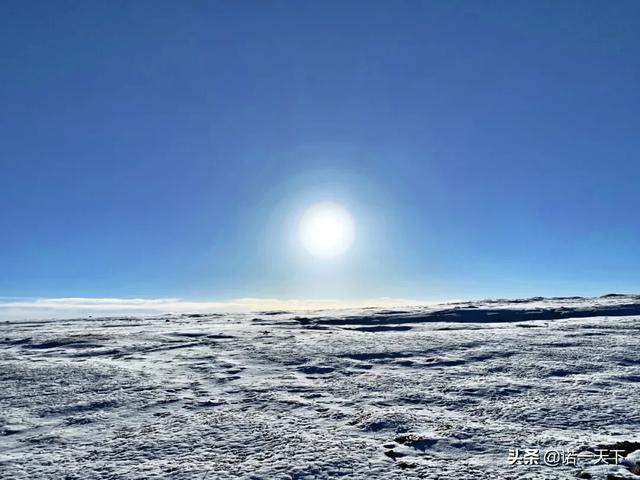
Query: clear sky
165, 149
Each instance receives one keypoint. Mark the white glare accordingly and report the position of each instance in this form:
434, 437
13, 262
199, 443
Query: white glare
327, 230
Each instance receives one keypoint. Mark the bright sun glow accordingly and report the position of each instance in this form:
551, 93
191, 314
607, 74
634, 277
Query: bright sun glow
327, 230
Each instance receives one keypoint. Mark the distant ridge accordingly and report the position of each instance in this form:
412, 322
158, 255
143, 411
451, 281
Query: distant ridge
498, 310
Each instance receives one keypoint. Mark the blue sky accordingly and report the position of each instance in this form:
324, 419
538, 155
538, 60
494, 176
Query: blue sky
165, 149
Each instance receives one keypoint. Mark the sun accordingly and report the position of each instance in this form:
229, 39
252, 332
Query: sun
327, 229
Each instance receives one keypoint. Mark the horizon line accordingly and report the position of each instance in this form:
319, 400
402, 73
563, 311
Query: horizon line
41, 308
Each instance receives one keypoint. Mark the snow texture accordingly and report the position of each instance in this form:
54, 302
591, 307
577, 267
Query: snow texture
438, 392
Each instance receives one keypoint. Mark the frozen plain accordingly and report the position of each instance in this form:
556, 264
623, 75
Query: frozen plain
439, 392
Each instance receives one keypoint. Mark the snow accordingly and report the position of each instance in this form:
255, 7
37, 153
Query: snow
422, 392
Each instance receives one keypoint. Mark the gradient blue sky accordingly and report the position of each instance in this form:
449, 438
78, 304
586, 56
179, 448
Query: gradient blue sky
155, 149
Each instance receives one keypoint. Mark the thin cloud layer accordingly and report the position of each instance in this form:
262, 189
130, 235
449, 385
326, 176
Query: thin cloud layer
73, 307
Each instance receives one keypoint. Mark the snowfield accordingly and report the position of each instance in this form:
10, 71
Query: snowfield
440, 392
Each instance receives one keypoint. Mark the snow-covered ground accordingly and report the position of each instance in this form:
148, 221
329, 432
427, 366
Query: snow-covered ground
439, 392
